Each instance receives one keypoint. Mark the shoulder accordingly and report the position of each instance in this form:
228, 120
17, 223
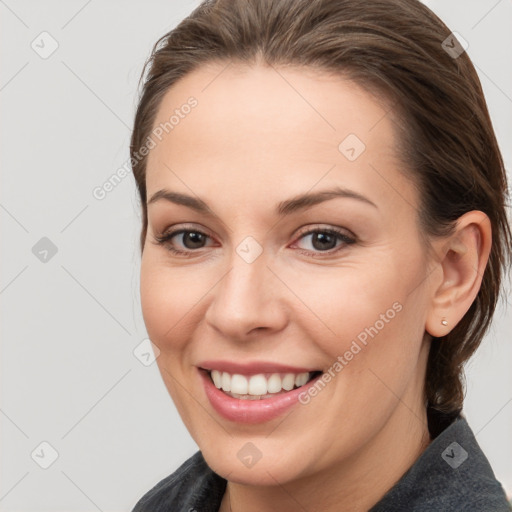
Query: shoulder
452, 474
192, 486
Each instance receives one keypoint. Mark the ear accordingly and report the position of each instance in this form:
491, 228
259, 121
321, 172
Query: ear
462, 258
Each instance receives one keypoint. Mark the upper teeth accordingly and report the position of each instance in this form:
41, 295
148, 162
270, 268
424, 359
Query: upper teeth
258, 384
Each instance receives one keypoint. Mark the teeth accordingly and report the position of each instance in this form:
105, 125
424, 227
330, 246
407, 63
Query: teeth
217, 378
288, 381
226, 382
301, 379
259, 385
274, 383
239, 384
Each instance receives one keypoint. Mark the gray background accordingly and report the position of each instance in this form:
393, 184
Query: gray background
71, 320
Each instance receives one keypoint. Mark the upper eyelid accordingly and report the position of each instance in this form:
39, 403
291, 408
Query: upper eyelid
325, 227
301, 231
181, 229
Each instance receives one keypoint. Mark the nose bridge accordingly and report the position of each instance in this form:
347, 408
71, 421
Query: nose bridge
245, 298
244, 288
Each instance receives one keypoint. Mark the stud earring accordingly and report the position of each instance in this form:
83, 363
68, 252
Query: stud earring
444, 322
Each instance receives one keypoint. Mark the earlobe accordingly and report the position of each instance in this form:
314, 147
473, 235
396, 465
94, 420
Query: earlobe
462, 258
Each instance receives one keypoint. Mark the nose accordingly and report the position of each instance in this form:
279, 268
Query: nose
247, 299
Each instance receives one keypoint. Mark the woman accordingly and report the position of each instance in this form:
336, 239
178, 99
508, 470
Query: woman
324, 237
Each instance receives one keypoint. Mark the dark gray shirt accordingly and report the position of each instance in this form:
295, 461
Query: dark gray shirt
452, 474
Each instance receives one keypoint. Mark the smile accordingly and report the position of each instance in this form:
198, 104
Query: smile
260, 386
254, 392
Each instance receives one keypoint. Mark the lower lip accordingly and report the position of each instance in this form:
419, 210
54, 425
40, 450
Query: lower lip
250, 411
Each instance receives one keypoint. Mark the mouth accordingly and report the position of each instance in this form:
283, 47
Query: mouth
254, 392
260, 386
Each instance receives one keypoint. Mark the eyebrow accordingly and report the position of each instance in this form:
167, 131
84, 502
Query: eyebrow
310, 199
299, 202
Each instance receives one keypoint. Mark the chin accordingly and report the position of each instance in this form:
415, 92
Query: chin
270, 469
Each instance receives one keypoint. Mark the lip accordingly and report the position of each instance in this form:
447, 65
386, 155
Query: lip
252, 368
251, 411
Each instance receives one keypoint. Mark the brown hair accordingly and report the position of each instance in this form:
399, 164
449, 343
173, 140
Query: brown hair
393, 47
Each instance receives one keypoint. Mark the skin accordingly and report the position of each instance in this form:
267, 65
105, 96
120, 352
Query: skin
257, 137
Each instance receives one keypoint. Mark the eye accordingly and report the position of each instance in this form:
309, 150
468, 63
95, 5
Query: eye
183, 241
315, 242
324, 240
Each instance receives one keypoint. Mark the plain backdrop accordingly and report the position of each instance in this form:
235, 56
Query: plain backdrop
74, 396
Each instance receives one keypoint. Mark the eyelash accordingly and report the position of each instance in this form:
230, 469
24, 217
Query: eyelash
164, 238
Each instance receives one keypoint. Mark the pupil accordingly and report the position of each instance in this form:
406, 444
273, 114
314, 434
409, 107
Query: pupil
323, 241
193, 240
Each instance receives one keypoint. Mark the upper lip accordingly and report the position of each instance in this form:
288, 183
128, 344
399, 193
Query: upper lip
252, 367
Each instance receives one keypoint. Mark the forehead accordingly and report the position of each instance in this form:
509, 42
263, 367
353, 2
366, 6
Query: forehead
258, 128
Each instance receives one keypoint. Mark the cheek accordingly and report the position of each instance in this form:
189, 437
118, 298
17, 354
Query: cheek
373, 342
369, 310
170, 301
345, 301
171, 308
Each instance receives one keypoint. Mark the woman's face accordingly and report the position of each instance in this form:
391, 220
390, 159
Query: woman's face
270, 283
